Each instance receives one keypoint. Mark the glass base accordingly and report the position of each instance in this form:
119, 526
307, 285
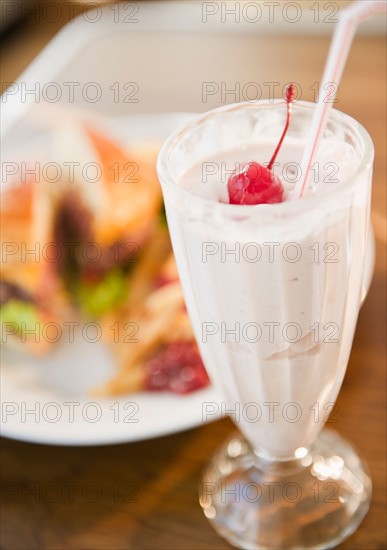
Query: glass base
314, 501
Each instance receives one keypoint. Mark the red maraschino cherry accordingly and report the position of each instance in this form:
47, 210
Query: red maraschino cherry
255, 183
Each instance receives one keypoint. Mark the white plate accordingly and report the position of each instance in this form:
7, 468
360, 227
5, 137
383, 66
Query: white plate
46, 400
56, 387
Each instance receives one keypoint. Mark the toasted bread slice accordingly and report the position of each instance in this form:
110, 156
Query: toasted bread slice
132, 189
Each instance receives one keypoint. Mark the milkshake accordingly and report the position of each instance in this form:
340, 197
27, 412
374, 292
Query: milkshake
273, 290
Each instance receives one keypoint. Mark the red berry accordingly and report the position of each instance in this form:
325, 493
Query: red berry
257, 184
254, 184
178, 368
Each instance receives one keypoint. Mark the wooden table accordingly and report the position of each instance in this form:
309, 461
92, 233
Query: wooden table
147, 491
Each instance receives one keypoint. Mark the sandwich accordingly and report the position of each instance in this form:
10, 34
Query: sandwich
103, 224
103, 253
33, 302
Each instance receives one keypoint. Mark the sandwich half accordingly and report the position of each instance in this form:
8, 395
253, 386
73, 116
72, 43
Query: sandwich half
33, 301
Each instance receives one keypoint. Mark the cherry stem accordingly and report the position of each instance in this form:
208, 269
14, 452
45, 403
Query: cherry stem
289, 98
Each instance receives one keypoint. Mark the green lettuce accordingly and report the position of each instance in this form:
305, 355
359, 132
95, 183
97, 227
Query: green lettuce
98, 298
22, 314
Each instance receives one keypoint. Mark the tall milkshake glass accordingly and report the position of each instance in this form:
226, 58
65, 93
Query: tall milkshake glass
273, 292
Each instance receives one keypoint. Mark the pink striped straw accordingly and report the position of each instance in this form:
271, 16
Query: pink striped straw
349, 20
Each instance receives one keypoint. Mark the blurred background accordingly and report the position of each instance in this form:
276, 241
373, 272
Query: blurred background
187, 56
147, 57
26, 26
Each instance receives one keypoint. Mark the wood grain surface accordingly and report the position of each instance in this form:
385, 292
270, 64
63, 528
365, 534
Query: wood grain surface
146, 492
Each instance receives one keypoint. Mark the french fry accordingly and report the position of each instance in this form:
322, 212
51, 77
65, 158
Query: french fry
140, 283
126, 381
161, 311
150, 263
165, 298
181, 328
